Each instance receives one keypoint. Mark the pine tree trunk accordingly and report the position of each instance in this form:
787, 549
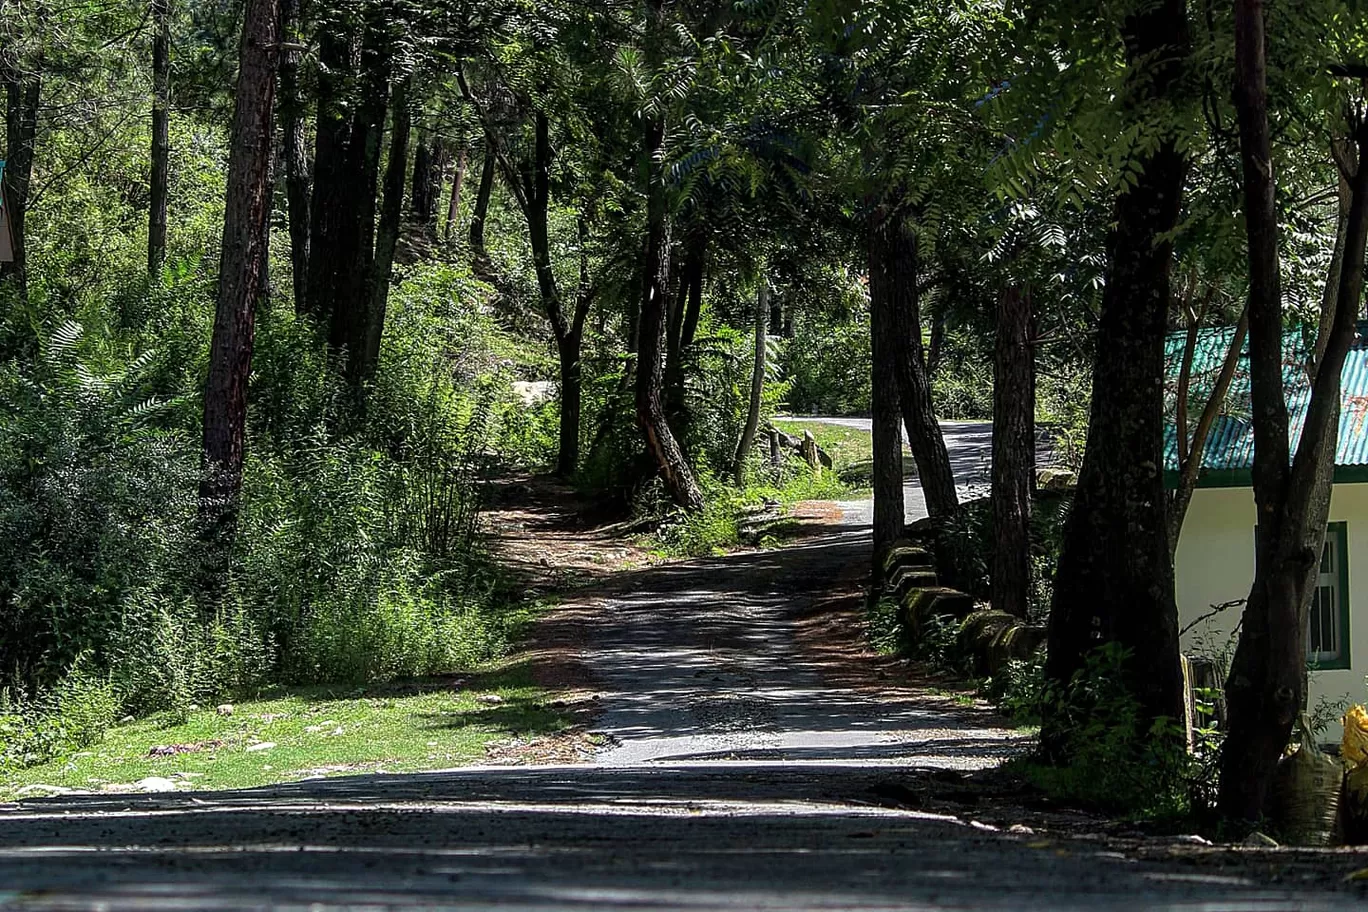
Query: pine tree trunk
885, 409
22, 94
1115, 580
295, 151
1013, 452
571, 405
242, 261
1266, 688
660, 440
454, 204
684, 322
479, 255
356, 247
387, 234
757, 389
897, 245
161, 135
329, 206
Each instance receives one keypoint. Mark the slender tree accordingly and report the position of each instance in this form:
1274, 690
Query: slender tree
387, 233
885, 394
1267, 684
294, 149
1013, 474
241, 263
23, 84
161, 135
757, 387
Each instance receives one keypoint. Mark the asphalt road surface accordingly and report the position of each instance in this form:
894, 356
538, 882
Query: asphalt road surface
738, 772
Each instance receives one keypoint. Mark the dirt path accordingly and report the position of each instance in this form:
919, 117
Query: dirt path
758, 758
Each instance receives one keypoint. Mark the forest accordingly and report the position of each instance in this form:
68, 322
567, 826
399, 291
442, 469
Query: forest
286, 284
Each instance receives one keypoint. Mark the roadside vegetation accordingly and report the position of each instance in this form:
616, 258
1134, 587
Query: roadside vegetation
285, 285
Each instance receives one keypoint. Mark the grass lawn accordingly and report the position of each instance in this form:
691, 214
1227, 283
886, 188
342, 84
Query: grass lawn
296, 734
851, 449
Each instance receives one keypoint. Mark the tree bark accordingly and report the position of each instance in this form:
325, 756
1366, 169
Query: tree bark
896, 244
1013, 452
660, 440
1266, 688
356, 241
329, 207
22, 94
479, 254
1115, 580
387, 234
242, 260
161, 136
454, 204
937, 346
294, 150
757, 389
884, 405
684, 322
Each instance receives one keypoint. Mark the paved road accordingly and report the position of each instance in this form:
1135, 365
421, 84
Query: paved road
970, 447
744, 771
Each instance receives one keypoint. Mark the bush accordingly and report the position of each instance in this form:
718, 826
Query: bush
1116, 759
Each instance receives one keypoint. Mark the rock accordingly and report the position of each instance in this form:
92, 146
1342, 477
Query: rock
1021, 829
489, 699
127, 720
225, 709
1259, 840
1193, 839
155, 784
263, 746
1055, 478
39, 790
978, 825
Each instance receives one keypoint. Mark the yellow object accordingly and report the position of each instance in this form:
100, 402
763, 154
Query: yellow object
1354, 747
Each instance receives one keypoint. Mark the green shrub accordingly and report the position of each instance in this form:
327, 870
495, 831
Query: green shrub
1116, 759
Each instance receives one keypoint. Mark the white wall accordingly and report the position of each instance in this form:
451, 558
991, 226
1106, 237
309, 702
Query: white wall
1215, 564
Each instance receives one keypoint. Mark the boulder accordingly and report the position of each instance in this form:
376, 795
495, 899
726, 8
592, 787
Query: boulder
1055, 478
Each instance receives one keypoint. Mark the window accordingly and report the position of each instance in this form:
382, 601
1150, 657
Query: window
1327, 641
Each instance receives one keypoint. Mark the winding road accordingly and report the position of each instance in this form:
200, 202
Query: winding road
742, 768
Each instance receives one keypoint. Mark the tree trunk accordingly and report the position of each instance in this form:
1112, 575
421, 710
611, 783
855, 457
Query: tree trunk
896, 244
660, 440
884, 406
161, 135
329, 207
1013, 452
1266, 688
1343, 155
429, 164
757, 390
1115, 580
454, 204
242, 260
937, 345
295, 151
387, 235
684, 322
356, 247
571, 405
479, 254
22, 94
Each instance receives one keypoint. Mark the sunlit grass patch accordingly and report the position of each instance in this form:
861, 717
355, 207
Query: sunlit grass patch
302, 733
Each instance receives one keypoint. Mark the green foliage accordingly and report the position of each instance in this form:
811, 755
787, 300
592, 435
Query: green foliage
1019, 689
1117, 759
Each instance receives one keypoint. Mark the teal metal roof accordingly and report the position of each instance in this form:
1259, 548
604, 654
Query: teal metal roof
1230, 445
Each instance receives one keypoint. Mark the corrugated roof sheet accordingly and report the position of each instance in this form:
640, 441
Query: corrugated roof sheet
1230, 444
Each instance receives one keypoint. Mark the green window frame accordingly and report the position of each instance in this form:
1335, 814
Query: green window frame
1331, 621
